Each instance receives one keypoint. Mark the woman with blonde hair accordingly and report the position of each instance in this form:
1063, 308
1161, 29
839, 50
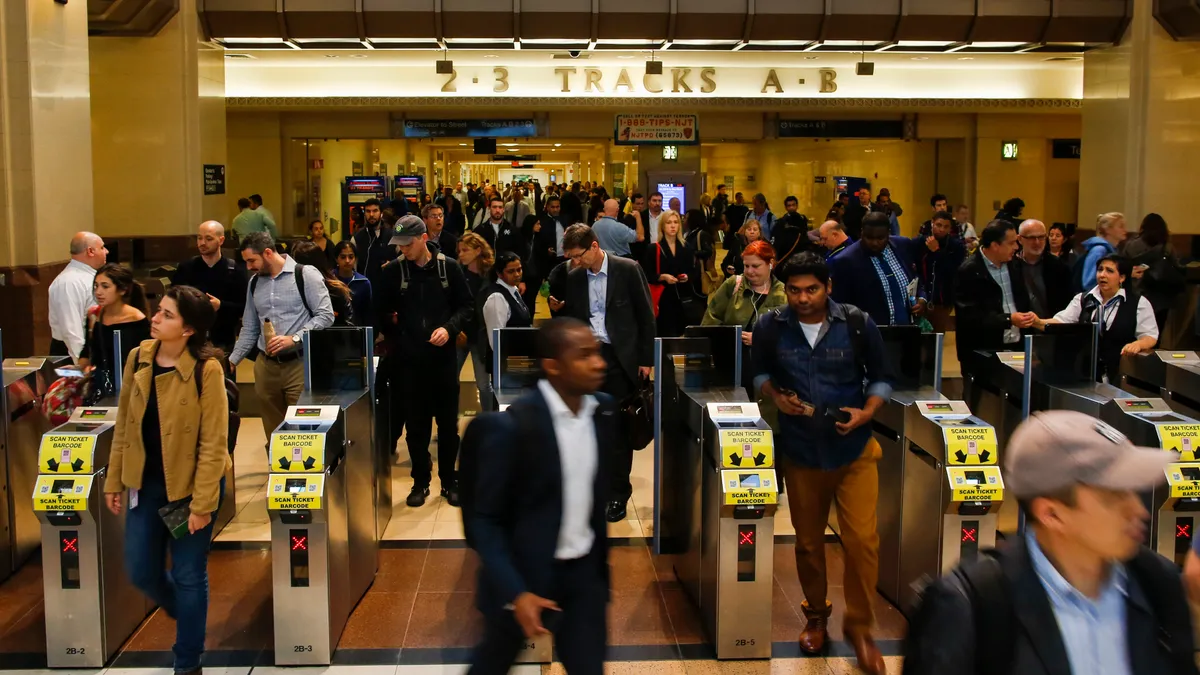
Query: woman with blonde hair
668, 265
476, 258
1110, 233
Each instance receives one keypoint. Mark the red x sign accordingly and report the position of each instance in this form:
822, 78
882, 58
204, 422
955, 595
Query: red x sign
968, 535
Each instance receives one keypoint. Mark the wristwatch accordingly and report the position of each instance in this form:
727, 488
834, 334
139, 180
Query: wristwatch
296, 339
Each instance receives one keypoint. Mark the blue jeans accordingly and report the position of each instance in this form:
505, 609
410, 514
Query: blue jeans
182, 591
483, 381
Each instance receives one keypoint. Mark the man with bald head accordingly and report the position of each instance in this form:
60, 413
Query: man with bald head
71, 294
614, 237
1047, 278
833, 239
221, 278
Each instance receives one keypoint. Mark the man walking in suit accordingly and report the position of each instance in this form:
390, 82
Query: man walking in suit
537, 521
611, 295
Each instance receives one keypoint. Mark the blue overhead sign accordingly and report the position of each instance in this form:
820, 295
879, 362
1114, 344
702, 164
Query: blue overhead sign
469, 128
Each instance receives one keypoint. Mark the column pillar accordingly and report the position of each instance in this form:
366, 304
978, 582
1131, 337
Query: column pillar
158, 112
45, 159
1140, 137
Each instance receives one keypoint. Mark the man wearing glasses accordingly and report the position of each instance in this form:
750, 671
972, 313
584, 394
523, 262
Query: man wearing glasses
1047, 278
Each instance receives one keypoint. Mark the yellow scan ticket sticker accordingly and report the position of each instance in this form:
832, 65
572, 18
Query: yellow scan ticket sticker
747, 449
1184, 480
286, 493
749, 487
66, 453
1181, 438
296, 452
55, 493
975, 484
970, 445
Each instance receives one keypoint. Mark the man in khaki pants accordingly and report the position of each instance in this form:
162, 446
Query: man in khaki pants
812, 358
284, 300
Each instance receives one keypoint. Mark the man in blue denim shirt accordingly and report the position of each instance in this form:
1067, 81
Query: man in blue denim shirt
822, 364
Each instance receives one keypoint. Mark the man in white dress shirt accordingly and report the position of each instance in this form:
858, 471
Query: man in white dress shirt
71, 295
534, 510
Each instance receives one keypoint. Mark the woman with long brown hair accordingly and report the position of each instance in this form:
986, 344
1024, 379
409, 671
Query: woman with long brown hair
120, 307
476, 258
170, 450
307, 253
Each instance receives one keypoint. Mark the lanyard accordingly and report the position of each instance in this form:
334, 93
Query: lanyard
1100, 312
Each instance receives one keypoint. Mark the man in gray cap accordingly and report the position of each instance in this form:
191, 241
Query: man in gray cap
1078, 592
424, 303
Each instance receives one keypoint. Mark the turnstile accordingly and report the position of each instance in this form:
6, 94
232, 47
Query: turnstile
1152, 423
321, 498
716, 481
1179, 515
915, 365
92, 607
22, 423
952, 493
1145, 375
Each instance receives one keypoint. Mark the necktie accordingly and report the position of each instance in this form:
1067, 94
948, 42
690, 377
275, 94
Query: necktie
520, 301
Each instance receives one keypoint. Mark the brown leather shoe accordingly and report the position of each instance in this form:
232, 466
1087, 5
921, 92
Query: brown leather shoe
815, 635
870, 661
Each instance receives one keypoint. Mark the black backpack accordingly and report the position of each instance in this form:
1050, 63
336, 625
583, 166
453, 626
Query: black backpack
995, 620
232, 395
1077, 270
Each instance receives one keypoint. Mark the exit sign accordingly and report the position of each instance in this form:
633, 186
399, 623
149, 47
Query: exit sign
1009, 150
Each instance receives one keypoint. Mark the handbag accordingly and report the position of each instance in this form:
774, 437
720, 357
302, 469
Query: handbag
638, 413
657, 288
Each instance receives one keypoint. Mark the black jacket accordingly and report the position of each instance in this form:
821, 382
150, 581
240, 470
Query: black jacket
853, 218
1158, 629
789, 237
517, 500
980, 304
507, 238
407, 318
628, 316
373, 252
1057, 277
225, 281
544, 248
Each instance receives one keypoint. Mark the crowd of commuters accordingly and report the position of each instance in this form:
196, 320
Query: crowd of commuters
436, 281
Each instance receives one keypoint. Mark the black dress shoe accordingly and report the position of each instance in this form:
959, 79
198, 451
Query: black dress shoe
615, 512
417, 496
451, 495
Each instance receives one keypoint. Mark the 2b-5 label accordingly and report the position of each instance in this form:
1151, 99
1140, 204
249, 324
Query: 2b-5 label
743, 642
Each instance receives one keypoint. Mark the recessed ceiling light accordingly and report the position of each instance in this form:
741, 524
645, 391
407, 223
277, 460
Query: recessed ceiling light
558, 145
811, 58
462, 143
553, 149
920, 58
332, 56
358, 56
625, 56
490, 56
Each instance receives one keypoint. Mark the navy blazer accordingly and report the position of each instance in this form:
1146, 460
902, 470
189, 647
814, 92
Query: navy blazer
855, 281
518, 503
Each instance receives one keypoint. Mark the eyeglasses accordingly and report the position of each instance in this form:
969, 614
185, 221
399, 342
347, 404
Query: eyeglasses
1039, 237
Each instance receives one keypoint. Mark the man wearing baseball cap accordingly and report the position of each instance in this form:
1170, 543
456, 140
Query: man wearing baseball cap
1078, 592
424, 303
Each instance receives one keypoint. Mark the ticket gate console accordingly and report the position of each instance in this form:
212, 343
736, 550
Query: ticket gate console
1145, 376
515, 371
92, 607
717, 451
952, 493
321, 498
1152, 423
22, 423
915, 366
1179, 515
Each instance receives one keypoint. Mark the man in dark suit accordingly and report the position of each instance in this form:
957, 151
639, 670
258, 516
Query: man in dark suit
856, 211
875, 274
545, 235
536, 513
1047, 278
990, 297
611, 295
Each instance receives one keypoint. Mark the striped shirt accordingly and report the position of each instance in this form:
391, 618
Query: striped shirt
278, 299
1001, 276
1094, 632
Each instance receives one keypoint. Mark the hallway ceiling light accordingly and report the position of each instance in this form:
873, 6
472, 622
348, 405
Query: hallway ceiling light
558, 145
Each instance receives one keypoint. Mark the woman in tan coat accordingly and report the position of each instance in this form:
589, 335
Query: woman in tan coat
170, 447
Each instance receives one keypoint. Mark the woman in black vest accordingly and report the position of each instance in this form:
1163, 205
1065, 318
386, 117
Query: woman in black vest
500, 304
1126, 319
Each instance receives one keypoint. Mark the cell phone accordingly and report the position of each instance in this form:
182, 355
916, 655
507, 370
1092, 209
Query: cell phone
838, 415
1141, 267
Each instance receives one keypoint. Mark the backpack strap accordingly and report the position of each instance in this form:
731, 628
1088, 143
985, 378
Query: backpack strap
300, 287
856, 320
441, 269
403, 276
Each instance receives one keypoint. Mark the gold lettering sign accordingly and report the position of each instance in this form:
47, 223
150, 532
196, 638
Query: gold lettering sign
593, 81
828, 81
772, 81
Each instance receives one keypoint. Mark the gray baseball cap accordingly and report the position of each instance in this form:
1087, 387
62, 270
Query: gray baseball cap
1053, 450
407, 228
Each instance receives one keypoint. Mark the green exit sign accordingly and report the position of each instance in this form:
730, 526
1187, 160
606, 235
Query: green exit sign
1009, 150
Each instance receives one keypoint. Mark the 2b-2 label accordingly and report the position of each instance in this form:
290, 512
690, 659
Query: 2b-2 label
743, 642
76, 651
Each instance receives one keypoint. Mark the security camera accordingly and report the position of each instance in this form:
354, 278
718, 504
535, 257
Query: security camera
574, 53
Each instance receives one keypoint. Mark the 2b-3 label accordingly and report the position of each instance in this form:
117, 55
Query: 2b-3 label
300, 649
743, 642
